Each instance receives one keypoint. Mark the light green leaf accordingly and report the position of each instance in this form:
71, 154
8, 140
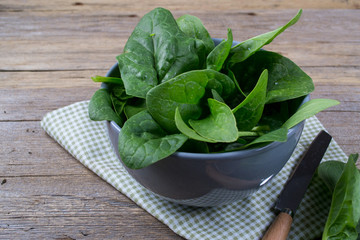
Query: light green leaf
108, 80
219, 126
186, 130
309, 109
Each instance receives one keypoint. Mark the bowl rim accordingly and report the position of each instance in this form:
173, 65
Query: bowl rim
217, 155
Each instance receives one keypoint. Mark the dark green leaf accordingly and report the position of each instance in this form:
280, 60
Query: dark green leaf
100, 107
221, 83
249, 111
219, 126
218, 55
156, 51
193, 146
330, 172
193, 27
286, 79
245, 49
135, 106
143, 142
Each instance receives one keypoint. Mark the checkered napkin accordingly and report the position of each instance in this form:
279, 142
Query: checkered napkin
88, 142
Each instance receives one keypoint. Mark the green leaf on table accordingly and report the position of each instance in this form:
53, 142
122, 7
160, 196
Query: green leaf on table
219, 126
100, 107
156, 51
330, 172
249, 111
193, 27
286, 80
219, 54
143, 142
245, 49
309, 109
344, 214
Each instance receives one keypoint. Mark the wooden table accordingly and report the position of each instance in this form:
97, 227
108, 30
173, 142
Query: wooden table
50, 49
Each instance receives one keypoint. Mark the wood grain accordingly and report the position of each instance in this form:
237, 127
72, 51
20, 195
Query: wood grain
51, 49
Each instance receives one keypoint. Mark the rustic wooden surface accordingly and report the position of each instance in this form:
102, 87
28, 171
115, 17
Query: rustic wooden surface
50, 49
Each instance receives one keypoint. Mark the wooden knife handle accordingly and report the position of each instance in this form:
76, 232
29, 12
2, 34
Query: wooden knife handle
280, 228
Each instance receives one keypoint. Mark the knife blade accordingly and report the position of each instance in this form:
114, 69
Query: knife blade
296, 186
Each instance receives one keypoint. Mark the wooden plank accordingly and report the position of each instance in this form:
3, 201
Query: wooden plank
319, 39
147, 5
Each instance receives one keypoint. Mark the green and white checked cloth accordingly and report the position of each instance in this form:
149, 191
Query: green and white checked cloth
88, 142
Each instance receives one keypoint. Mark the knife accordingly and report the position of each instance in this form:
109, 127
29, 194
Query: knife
295, 188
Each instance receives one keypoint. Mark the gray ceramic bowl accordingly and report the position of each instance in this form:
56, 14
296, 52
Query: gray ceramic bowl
204, 180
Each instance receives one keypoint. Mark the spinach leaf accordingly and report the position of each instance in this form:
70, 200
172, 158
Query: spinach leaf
118, 105
278, 135
185, 92
219, 126
330, 172
309, 109
286, 79
193, 27
221, 83
100, 107
187, 131
245, 49
134, 106
306, 110
344, 212
249, 111
156, 51
143, 142
217, 96
219, 54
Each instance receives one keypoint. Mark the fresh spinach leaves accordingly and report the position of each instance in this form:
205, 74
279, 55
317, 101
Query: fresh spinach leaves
176, 91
